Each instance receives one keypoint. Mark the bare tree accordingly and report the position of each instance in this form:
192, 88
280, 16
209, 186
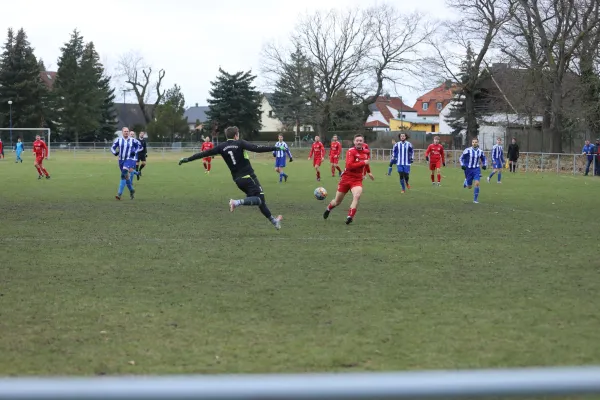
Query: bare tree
395, 56
550, 32
139, 76
472, 34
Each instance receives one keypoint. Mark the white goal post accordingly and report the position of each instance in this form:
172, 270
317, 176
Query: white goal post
43, 132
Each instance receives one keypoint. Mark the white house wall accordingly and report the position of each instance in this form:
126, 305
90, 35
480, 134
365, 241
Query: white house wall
269, 124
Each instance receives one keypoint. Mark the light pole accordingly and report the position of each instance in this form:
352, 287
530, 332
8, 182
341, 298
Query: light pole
10, 121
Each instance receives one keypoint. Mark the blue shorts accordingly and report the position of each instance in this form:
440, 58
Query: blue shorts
472, 174
280, 162
127, 164
497, 164
404, 168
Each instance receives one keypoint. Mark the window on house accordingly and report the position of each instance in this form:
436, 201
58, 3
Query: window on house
425, 106
270, 113
439, 106
432, 128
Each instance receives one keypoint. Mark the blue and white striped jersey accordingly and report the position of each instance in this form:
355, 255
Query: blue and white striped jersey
471, 158
403, 153
282, 151
498, 153
126, 149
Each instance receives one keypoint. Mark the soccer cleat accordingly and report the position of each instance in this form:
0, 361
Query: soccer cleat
318, 179
475, 201
277, 222
348, 220
285, 178
40, 177
138, 177
118, 197
47, 176
488, 179
131, 195
402, 192
407, 186
231, 205
433, 183
499, 182
326, 214
465, 184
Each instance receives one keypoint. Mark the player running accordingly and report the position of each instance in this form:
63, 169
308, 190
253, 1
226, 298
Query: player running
403, 157
206, 161
497, 160
1, 149
19, 147
335, 150
367, 170
142, 155
436, 157
233, 151
357, 159
317, 153
391, 158
470, 161
41, 151
126, 149
280, 158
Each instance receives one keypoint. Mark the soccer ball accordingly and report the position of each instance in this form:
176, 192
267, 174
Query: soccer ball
320, 193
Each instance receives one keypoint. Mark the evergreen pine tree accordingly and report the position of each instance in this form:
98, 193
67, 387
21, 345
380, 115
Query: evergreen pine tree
289, 100
470, 101
346, 112
235, 101
169, 123
20, 82
108, 114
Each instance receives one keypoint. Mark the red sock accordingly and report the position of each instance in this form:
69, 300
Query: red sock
39, 170
330, 207
352, 212
338, 168
432, 179
205, 166
439, 178
44, 171
209, 164
332, 170
318, 174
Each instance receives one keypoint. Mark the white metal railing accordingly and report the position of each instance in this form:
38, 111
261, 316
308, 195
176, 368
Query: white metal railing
528, 162
355, 386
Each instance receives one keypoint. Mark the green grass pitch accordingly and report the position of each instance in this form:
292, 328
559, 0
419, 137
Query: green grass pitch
172, 282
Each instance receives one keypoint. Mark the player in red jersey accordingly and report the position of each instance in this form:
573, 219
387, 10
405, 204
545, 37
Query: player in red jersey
367, 170
207, 145
335, 150
1, 149
317, 153
436, 157
41, 151
357, 159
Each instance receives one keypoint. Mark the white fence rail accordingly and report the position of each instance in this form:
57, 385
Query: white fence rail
528, 162
355, 386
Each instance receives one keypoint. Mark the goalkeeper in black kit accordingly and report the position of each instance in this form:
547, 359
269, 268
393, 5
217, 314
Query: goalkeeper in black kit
234, 152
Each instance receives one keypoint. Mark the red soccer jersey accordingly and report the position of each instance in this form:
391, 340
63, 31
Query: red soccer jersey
355, 163
435, 152
207, 146
318, 150
40, 149
1, 147
335, 149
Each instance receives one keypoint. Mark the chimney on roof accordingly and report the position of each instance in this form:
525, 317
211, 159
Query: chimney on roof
387, 96
196, 104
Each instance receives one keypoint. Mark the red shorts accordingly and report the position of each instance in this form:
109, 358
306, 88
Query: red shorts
346, 185
435, 165
334, 159
317, 162
206, 159
39, 160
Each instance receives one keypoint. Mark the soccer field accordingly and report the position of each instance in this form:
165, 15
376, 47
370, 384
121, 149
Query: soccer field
172, 282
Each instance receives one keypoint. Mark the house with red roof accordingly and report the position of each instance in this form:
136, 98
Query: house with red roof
385, 109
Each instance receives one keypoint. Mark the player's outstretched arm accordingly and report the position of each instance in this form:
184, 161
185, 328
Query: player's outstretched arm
207, 153
255, 148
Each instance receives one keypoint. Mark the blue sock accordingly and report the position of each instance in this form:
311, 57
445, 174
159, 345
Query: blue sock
129, 185
492, 174
499, 176
281, 176
476, 193
121, 186
402, 184
389, 170
465, 184
130, 181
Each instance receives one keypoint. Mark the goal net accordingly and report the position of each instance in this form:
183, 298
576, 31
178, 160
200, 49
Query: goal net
10, 137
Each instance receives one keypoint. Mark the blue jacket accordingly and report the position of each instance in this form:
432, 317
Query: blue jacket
590, 150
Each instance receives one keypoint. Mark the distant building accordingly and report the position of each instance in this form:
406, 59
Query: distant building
196, 114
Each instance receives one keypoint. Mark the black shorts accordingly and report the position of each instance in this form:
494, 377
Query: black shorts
250, 185
142, 157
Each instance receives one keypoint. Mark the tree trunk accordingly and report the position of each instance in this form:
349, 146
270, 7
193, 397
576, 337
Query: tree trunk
556, 118
325, 121
470, 118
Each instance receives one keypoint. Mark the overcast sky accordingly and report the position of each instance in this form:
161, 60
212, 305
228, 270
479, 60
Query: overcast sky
189, 39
